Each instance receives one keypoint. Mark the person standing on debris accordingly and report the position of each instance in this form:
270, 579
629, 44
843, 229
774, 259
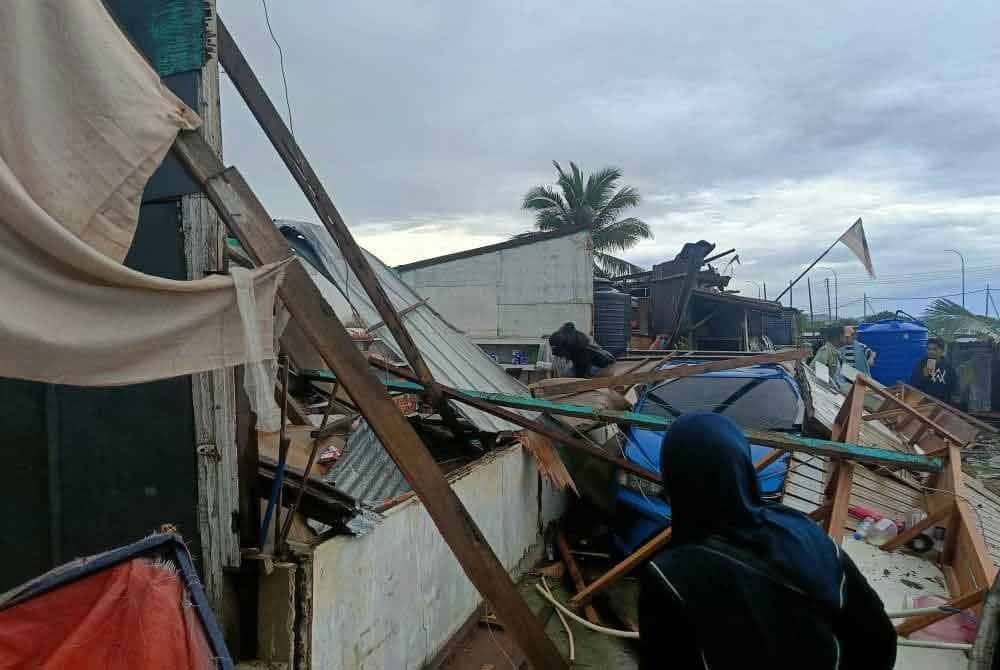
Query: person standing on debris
934, 374
570, 344
855, 353
745, 584
829, 353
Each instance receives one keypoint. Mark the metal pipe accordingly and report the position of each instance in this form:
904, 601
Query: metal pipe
932, 644
903, 614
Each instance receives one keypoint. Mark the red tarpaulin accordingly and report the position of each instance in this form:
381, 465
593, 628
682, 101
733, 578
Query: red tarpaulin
136, 614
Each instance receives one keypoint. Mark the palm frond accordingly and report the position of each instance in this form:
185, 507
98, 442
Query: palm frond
949, 319
625, 198
571, 195
600, 184
612, 266
550, 209
621, 235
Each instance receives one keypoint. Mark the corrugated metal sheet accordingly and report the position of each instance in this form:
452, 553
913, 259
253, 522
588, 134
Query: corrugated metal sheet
365, 471
451, 356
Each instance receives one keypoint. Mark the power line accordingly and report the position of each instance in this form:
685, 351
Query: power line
926, 297
281, 61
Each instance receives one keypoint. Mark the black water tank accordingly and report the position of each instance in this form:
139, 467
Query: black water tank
612, 311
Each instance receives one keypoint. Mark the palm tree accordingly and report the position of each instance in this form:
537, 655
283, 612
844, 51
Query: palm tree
949, 319
593, 201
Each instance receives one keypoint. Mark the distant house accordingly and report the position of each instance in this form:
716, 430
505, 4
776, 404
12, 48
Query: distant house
509, 297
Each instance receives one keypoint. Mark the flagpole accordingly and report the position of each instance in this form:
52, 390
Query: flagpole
813, 264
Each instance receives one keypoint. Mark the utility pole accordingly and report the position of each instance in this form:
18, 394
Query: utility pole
765, 290
963, 272
790, 295
864, 308
829, 307
987, 313
809, 287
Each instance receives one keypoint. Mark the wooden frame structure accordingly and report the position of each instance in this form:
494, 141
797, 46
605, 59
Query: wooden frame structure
966, 561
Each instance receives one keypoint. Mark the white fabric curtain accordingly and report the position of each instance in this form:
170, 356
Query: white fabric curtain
84, 121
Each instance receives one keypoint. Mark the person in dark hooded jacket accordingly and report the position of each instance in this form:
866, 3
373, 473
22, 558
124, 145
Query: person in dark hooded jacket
744, 584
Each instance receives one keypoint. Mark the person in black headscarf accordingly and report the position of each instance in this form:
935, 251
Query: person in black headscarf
744, 584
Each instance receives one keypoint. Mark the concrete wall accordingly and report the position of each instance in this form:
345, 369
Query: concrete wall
522, 292
391, 599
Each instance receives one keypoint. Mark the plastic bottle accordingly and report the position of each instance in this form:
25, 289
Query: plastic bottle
882, 532
864, 528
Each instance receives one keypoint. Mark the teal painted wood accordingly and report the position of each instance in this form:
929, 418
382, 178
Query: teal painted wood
784, 441
170, 33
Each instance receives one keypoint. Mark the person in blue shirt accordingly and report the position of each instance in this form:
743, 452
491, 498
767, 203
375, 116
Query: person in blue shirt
746, 584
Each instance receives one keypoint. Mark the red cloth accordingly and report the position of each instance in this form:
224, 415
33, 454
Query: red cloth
134, 615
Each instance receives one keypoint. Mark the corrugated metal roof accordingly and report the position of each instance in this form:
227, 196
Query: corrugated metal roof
365, 471
452, 357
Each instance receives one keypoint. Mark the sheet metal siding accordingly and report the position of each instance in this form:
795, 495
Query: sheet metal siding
392, 598
523, 292
366, 472
451, 356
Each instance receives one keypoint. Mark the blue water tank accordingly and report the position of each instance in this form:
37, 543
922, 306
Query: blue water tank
898, 343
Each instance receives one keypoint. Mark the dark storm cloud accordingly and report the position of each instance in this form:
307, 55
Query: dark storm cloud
768, 126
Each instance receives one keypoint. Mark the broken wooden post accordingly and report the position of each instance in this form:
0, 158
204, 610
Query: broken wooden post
250, 222
574, 573
846, 428
630, 563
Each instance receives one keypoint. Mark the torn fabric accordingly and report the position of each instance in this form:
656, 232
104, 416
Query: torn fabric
85, 123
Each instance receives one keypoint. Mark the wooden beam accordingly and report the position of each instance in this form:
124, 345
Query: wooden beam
913, 624
784, 441
906, 388
250, 222
939, 517
574, 574
821, 513
634, 560
403, 312
891, 413
877, 388
839, 501
676, 372
846, 428
767, 459
249, 87
554, 434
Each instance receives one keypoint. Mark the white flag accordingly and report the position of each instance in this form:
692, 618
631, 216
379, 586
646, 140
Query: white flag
855, 240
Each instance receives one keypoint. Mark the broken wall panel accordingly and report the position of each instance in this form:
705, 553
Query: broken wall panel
394, 597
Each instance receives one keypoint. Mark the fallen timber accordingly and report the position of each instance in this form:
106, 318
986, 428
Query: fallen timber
676, 372
775, 440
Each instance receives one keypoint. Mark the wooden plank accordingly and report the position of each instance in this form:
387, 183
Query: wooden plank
846, 428
554, 434
767, 459
913, 413
576, 576
913, 624
939, 517
954, 410
839, 501
403, 312
677, 372
882, 415
249, 87
634, 560
213, 393
250, 222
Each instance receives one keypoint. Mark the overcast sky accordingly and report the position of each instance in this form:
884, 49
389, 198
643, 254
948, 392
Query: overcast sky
767, 126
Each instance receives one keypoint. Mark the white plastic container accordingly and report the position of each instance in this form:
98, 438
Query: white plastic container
883, 531
864, 528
